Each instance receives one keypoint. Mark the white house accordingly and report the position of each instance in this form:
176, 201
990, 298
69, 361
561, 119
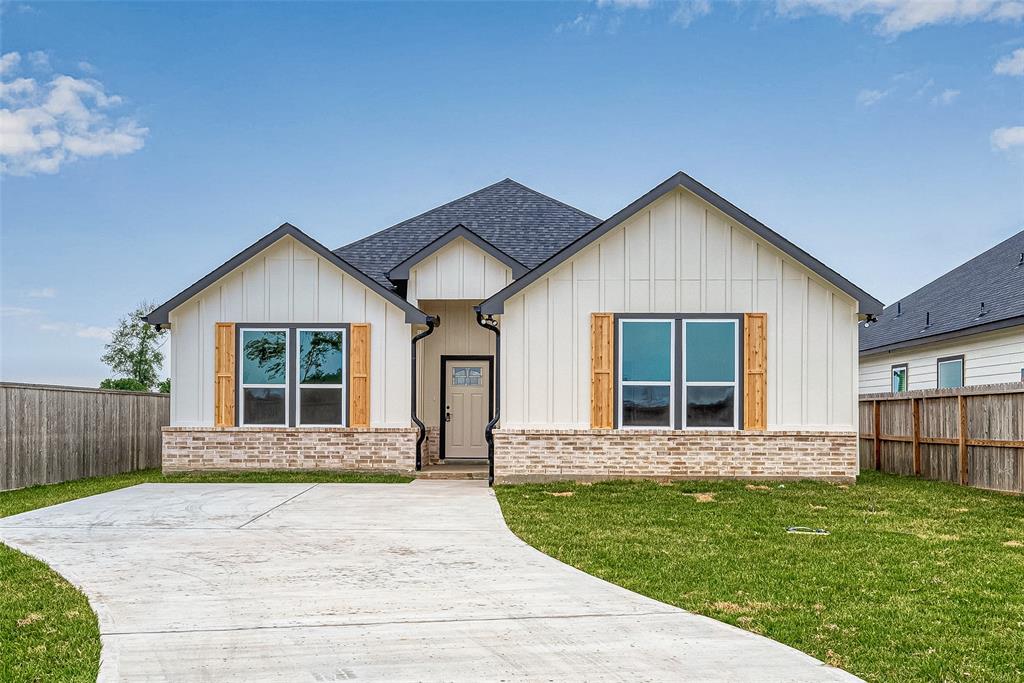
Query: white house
678, 338
965, 328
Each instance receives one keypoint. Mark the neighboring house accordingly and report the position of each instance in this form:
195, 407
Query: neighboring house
678, 338
967, 327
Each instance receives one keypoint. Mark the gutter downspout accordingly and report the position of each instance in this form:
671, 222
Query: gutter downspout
489, 323
432, 321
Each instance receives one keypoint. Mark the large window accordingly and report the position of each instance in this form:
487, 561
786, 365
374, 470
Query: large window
704, 383
950, 372
292, 375
899, 378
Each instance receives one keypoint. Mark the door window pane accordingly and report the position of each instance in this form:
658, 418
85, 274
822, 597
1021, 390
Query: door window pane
320, 406
320, 356
264, 357
646, 351
645, 406
951, 374
710, 351
264, 406
710, 406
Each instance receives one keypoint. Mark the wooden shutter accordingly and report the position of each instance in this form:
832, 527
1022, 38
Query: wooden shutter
755, 370
224, 375
602, 357
359, 375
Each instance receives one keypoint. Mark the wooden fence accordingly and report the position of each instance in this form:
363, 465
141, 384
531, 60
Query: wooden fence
972, 436
51, 433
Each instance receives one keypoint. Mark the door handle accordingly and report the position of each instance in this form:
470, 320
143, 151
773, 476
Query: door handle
447, 413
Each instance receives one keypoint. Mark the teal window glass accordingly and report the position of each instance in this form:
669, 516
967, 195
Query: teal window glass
710, 351
951, 374
899, 380
646, 351
264, 357
321, 354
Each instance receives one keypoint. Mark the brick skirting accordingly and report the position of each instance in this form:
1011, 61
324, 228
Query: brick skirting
288, 448
593, 454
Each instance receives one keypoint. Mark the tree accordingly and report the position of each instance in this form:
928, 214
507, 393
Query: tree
134, 348
165, 386
123, 384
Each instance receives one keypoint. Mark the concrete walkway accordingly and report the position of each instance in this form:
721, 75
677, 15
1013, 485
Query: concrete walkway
329, 582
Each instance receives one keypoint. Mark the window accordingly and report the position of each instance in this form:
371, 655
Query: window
292, 375
321, 372
264, 377
899, 378
466, 377
705, 382
950, 372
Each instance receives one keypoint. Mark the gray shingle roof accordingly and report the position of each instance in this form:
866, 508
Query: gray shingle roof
954, 300
523, 223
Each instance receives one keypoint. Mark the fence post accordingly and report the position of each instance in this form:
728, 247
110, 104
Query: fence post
916, 413
962, 433
878, 436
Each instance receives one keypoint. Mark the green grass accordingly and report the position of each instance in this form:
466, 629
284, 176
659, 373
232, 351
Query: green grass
918, 581
48, 632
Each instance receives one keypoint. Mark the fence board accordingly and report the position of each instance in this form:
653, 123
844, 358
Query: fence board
50, 434
970, 435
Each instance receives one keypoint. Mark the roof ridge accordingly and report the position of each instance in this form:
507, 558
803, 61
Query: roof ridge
556, 201
424, 213
957, 268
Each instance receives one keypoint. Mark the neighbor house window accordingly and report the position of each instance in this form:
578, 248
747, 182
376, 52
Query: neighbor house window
704, 382
292, 376
899, 378
264, 377
950, 372
321, 372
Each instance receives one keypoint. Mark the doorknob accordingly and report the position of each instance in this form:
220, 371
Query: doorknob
447, 413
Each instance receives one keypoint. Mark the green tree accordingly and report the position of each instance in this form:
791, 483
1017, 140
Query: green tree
123, 384
134, 348
165, 386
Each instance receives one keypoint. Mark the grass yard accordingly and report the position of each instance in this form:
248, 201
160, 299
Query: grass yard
918, 581
48, 632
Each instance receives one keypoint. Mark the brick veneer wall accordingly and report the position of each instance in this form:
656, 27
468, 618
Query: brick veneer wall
431, 449
279, 448
593, 454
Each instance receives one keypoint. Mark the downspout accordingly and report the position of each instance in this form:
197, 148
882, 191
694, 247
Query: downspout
491, 324
432, 321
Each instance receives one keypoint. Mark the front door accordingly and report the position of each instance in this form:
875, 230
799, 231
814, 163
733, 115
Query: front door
467, 408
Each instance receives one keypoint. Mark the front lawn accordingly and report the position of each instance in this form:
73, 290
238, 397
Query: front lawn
917, 581
48, 632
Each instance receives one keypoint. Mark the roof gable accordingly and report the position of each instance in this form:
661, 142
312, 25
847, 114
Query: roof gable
161, 314
867, 304
401, 271
950, 305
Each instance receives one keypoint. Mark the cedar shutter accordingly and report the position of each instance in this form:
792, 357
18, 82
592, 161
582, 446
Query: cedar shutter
224, 375
755, 370
602, 354
359, 375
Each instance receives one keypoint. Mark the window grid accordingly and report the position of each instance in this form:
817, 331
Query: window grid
242, 383
648, 383
344, 373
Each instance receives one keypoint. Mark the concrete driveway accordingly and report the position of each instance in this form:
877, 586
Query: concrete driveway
328, 582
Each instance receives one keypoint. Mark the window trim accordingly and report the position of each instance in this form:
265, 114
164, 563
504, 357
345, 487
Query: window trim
240, 373
291, 388
950, 359
737, 369
299, 386
906, 370
671, 383
678, 360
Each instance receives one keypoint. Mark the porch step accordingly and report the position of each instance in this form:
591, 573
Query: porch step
450, 469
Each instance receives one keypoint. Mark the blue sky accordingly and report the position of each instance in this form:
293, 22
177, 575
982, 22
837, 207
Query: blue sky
885, 137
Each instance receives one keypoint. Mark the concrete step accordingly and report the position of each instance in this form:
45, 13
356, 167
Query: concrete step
454, 470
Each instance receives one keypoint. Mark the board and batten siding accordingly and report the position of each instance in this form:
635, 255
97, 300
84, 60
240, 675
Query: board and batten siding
287, 283
680, 255
989, 358
458, 270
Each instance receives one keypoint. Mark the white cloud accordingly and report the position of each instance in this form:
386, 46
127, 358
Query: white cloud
16, 311
1005, 139
39, 60
43, 293
899, 16
77, 330
869, 98
946, 97
93, 332
86, 67
1012, 64
45, 125
8, 62
625, 4
690, 10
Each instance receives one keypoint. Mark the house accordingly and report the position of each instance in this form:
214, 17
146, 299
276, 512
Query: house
965, 328
679, 338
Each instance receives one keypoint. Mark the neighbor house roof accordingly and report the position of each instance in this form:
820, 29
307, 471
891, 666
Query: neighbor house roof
950, 306
161, 314
866, 303
519, 222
